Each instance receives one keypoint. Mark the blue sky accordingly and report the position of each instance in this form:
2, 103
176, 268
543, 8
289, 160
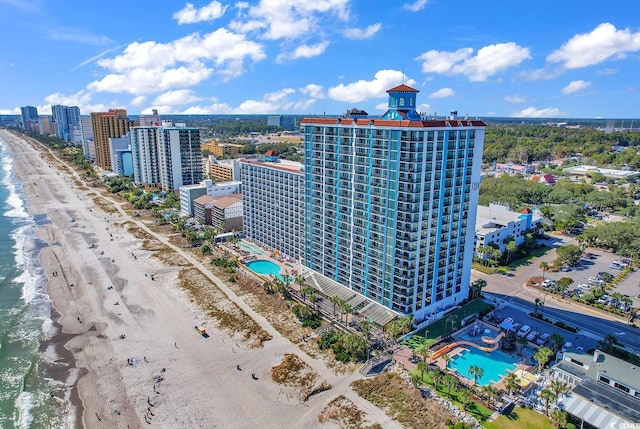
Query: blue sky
545, 58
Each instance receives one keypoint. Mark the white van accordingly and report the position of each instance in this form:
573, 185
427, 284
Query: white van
524, 331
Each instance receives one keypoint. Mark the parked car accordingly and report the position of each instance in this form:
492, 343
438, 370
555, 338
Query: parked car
616, 265
516, 326
565, 269
532, 335
542, 339
603, 299
524, 331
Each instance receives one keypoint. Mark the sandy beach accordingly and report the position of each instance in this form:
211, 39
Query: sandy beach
137, 359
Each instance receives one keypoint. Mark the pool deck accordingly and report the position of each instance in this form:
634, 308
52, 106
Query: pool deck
286, 267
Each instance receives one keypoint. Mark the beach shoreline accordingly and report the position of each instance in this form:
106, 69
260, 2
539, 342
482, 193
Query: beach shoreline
135, 357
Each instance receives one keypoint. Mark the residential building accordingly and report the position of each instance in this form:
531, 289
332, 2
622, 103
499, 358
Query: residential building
111, 124
605, 390
545, 179
121, 157
88, 144
223, 213
273, 203
166, 156
586, 170
44, 125
285, 122
29, 118
511, 168
222, 170
67, 119
189, 193
150, 120
495, 223
390, 204
222, 150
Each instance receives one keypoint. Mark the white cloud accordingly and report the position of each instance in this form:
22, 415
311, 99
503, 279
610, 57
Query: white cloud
290, 19
517, 98
82, 99
532, 112
365, 89
416, 6
304, 51
606, 72
272, 102
177, 97
14, 111
360, 34
488, 61
138, 101
190, 15
382, 107
68, 34
216, 108
601, 44
442, 93
575, 86
151, 67
313, 90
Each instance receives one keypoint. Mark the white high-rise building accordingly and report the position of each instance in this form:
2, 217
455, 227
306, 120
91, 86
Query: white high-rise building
168, 157
390, 204
273, 203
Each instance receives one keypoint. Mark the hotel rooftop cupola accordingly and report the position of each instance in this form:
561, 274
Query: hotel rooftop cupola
402, 104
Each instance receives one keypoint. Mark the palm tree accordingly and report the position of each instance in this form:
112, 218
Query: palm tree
544, 266
464, 396
366, 327
608, 342
423, 351
476, 372
542, 355
559, 387
557, 341
421, 367
437, 377
491, 393
547, 396
335, 300
521, 341
451, 382
538, 302
511, 382
446, 359
559, 419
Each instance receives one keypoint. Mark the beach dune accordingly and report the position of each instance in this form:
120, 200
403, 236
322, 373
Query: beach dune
137, 359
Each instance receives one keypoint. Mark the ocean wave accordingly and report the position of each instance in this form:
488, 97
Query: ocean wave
14, 199
24, 405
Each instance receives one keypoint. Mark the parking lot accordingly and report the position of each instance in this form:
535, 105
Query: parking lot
591, 268
577, 341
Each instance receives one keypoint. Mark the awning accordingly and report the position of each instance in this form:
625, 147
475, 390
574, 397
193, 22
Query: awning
589, 412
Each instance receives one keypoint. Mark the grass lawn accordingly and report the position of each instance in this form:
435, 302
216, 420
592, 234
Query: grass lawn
534, 253
521, 418
445, 326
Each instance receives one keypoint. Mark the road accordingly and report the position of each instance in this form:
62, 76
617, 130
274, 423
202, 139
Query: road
593, 323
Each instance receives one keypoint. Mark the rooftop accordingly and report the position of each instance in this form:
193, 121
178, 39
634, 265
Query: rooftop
282, 164
615, 369
601, 405
425, 123
495, 216
227, 200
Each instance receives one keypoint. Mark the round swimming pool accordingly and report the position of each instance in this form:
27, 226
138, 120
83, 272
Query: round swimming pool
264, 267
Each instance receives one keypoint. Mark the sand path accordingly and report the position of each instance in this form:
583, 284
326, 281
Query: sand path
101, 292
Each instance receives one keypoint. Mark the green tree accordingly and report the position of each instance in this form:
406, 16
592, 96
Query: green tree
563, 283
421, 367
521, 341
491, 393
569, 254
538, 303
608, 342
451, 382
559, 419
559, 387
547, 396
475, 289
476, 372
464, 396
437, 377
446, 358
423, 351
544, 266
542, 355
557, 341
510, 382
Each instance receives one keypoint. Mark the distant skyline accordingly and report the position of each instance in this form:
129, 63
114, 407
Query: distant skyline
569, 59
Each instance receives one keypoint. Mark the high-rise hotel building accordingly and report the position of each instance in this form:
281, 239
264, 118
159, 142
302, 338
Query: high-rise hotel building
111, 124
390, 204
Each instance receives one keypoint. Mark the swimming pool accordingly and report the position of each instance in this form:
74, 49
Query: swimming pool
495, 364
250, 248
264, 267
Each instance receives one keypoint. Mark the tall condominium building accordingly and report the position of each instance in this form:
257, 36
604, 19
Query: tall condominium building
67, 120
88, 145
273, 203
44, 125
390, 204
166, 156
111, 124
29, 116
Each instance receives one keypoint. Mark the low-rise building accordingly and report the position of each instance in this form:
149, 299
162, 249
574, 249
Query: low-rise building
511, 168
222, 170
222, 213
497, 222
586, 170
605, 390
188, 193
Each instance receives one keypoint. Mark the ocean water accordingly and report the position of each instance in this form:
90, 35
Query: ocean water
25, 318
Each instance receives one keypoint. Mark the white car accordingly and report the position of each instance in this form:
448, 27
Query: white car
532, 335
524, 331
